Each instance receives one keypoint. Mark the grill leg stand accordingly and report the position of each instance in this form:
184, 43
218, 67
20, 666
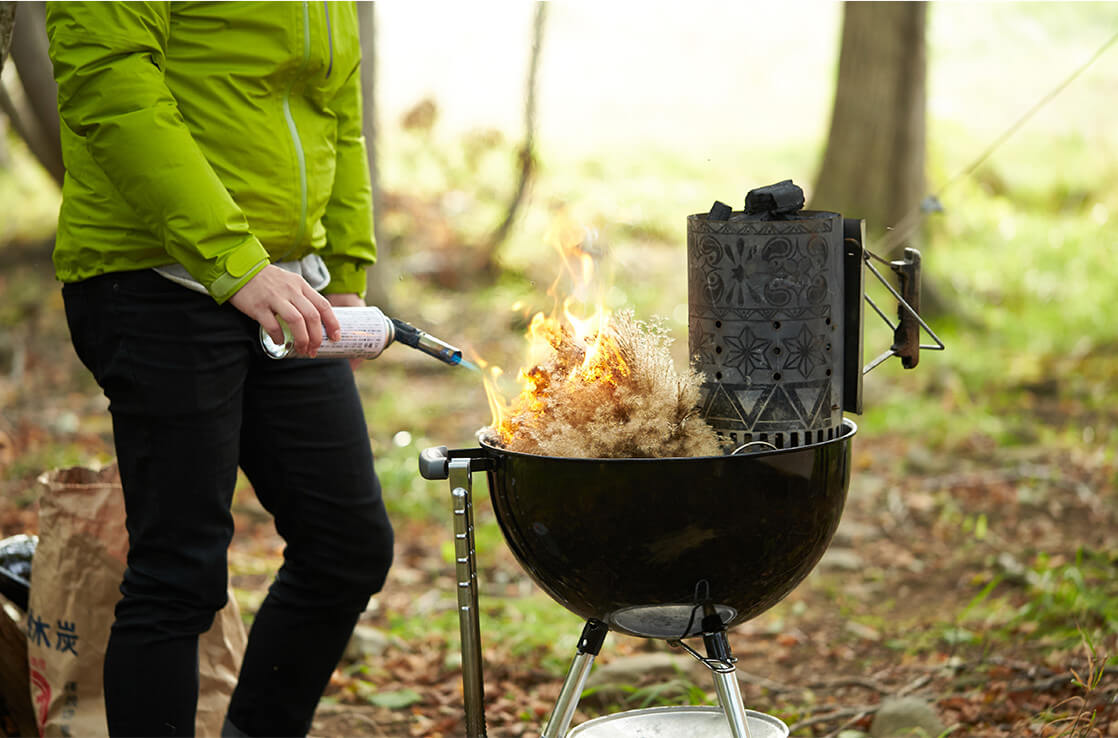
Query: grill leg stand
589, 645
721, 664
465, 568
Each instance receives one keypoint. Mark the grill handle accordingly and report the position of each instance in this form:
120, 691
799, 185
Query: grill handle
906, 336
434, 462
907, 329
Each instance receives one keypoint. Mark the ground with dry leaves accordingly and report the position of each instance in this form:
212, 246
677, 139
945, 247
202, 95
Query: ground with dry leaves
958, 575
871, 622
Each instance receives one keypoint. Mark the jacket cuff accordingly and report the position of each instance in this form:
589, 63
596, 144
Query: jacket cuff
237, 268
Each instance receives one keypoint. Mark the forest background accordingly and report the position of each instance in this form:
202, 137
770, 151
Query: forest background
975, 569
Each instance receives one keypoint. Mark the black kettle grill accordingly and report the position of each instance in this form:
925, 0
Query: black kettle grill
677, 548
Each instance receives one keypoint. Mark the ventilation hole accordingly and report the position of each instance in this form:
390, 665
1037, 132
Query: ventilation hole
718, 324
776, 377
776, 350
827, 321
717, 349
828, 347
828, 372
718, 376
776, 325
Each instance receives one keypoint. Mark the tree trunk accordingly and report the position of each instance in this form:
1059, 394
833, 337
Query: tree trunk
873, 167
35, 116
7, 21
527, 154
377, 281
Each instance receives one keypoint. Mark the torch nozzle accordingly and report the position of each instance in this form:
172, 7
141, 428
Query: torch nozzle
409, 335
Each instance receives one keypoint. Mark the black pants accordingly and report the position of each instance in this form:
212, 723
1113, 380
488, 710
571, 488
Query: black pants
192, 397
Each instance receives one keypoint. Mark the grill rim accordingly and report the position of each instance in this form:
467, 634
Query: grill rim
849, 427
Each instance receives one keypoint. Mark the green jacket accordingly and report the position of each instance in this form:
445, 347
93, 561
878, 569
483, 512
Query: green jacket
222, 136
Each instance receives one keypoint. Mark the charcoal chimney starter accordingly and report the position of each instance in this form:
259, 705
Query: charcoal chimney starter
767, 313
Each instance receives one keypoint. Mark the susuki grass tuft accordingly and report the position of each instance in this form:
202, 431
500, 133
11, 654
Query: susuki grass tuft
632, 404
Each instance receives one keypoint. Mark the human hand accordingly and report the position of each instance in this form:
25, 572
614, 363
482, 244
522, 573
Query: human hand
276, 293
348, 299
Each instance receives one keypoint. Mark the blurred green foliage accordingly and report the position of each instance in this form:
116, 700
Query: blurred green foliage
1022, 257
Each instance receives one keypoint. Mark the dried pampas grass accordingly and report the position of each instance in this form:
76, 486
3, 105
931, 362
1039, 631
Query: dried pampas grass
650, 410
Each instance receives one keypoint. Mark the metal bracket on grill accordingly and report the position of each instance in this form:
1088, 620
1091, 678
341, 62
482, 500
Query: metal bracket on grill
744, 446
465, 567
853, 252
721, 662
717, 665
457, 466
906, 332
434, 462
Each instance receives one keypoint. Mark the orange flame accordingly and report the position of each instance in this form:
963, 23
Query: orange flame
564, 346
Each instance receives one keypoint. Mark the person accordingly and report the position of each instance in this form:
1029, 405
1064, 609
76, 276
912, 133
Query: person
217, 182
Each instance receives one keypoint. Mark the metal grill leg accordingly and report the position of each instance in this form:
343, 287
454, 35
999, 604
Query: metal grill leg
465, 567
721, 663
589, 645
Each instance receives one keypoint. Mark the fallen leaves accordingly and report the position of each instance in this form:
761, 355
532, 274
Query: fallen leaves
838, 645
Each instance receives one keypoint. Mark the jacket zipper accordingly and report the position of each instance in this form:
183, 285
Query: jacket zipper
300, 155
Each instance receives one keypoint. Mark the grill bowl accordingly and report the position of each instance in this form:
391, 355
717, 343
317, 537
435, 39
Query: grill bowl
649, 546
